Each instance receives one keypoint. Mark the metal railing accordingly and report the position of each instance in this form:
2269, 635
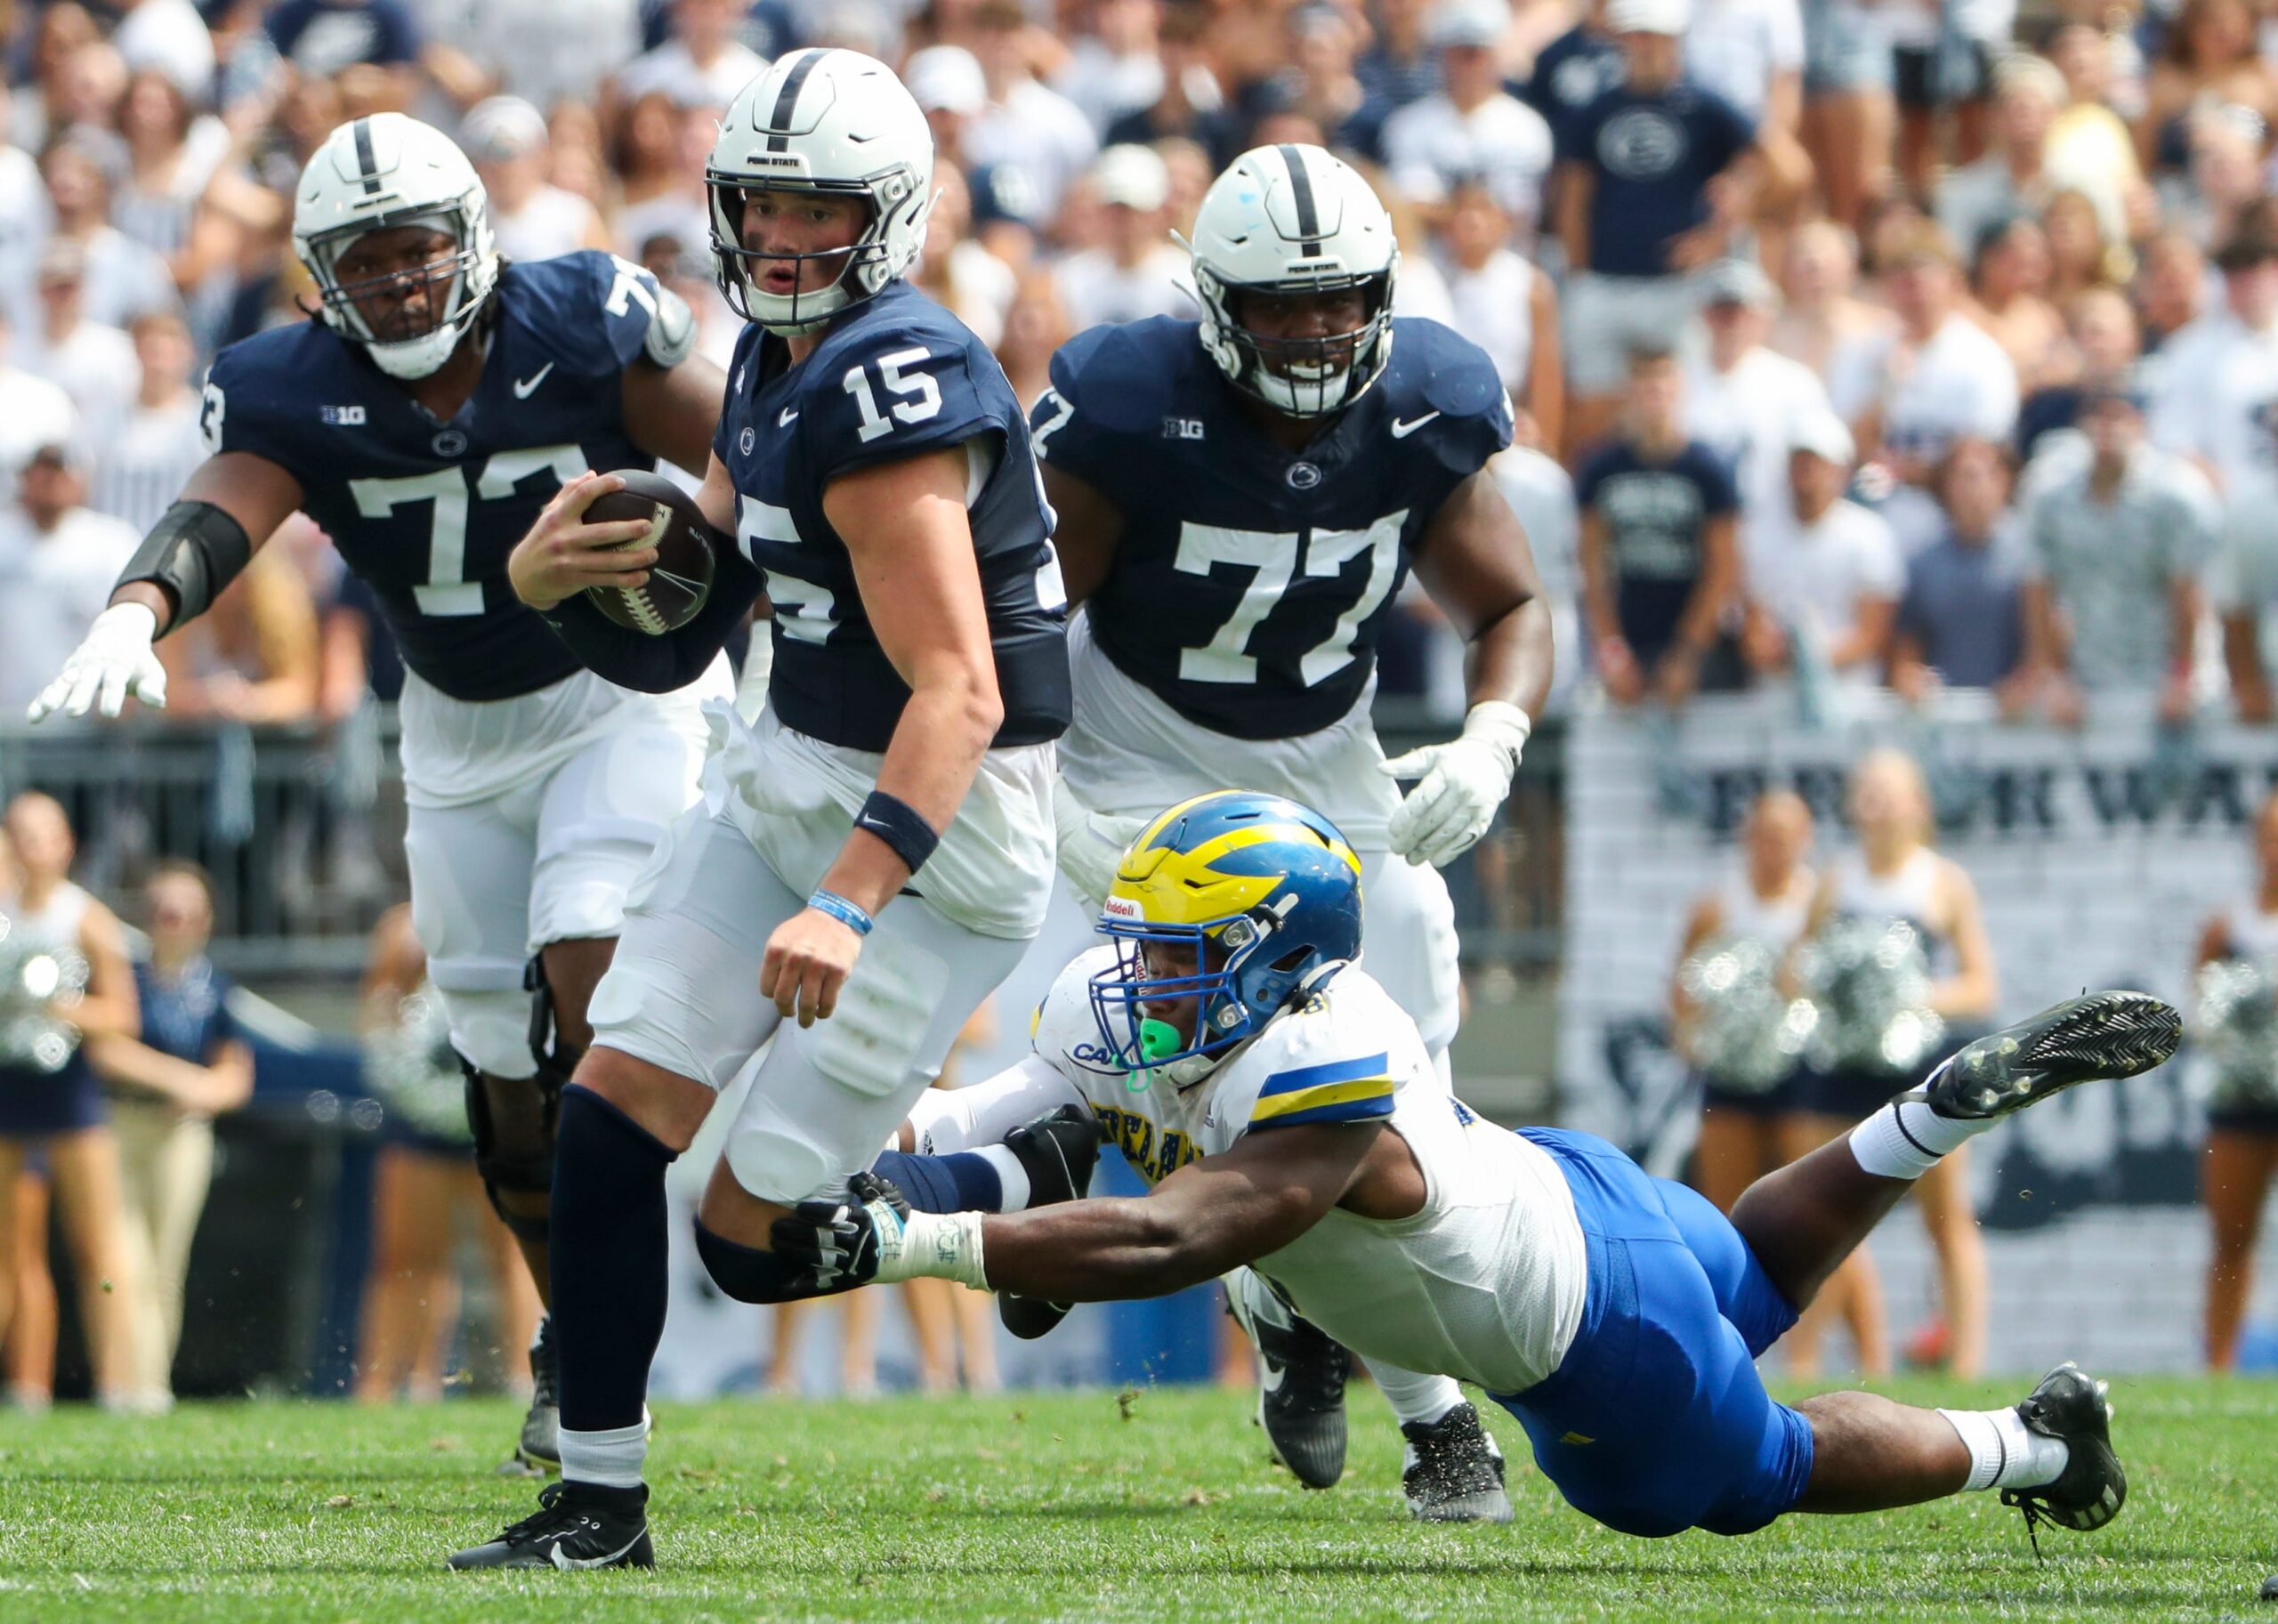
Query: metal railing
301, 827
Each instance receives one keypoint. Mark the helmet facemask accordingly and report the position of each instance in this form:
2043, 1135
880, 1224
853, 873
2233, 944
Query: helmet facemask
864, 267
1140, 1045
454, 282
1299, 377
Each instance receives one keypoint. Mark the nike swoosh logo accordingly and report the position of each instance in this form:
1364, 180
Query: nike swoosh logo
786, 418
568, 1563
525, 387
1270, 1378
1402, 430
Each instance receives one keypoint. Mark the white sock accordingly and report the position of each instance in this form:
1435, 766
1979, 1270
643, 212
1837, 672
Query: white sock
611, 1458
1415, 1399
1010, 1174
1905, 1139
2003, 1452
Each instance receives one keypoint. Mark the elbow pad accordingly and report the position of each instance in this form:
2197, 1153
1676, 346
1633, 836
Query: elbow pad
194, 551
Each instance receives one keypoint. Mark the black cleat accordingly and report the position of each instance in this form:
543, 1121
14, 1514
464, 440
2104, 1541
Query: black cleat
576, 1525
1454, 1473
538, 1453
1058, 1151
1302, 1372
2104, 1035
2093, 1486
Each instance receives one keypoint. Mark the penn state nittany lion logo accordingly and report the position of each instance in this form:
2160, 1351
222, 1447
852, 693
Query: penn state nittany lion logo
1641, 143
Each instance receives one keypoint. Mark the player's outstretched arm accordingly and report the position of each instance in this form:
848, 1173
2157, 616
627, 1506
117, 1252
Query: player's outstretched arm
562, 556
1208, 1216
946, 1120
228, 509
1475, 562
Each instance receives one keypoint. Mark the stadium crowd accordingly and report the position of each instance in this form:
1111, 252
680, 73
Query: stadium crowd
1852, 343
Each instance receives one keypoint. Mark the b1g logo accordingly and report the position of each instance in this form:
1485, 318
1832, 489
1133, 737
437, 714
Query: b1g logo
1641, 143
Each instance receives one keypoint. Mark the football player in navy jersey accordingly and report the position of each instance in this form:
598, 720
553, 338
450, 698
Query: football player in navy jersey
876, 854
423, 418
1240, 498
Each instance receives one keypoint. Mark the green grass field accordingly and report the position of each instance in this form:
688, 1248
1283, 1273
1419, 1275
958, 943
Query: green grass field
1157, 1505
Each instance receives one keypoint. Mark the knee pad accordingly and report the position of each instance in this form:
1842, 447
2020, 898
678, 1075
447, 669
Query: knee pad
521, 1172
748, 1274
870, 1043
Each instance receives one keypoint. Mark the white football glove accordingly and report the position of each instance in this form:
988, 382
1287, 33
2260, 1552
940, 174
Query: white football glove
113, 660
1464, 781
751, 688
1091, 843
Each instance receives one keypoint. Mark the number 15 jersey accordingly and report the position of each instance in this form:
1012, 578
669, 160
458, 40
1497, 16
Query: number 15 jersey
1251, 585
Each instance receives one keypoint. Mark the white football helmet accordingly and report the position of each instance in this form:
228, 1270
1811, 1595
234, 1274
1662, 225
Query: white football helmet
821, 120
1291, 219
388, 170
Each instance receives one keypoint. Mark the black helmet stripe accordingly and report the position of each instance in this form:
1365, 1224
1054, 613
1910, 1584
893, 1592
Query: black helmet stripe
787, 99
1301, 193
365, 163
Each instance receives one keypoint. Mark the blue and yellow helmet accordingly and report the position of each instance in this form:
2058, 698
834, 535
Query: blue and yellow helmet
1264, 893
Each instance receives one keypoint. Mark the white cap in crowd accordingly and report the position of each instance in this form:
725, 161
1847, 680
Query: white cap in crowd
1133, 175
1469, 22
1821, 433
1648, 16
947, 79
502, 127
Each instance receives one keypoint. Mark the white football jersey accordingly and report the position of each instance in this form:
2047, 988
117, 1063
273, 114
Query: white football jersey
1485, 1283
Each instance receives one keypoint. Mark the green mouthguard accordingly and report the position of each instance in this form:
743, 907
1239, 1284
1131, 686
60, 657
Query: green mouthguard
1159, 1040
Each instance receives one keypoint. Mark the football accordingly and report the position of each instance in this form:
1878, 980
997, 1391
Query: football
681, 579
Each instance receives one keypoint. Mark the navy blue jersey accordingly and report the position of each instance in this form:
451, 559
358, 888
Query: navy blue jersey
897, 377
185, 1015
1572, 71
1653, 156
1655, 513
424, 511
1249, 584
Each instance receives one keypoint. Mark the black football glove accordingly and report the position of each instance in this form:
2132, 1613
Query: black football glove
836, 1242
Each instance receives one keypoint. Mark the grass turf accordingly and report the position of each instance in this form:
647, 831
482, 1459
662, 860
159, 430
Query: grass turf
1152, 1506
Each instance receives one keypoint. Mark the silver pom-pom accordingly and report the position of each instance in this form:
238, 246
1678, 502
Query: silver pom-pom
1869, 980
1743, 1031
35, 985
410, 1068
2238, 1025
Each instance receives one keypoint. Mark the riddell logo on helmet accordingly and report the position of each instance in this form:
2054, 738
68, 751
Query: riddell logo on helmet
1122, 907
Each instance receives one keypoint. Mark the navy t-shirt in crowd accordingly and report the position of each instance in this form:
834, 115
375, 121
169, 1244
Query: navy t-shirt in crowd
322, 36
185, 1015
1573, 70
1653, 156
1655, 515
2044, 412
1964, 611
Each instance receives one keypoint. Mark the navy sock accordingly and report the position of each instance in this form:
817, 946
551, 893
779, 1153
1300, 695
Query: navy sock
959, 1182
609, 1253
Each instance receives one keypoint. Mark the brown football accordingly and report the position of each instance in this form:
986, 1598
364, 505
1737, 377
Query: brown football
680, 579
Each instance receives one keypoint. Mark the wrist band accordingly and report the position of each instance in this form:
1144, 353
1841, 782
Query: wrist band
896, 822
849, 914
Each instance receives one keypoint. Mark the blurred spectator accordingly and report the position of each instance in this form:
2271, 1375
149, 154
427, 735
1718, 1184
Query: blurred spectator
324, 37
1320, 86
2090, 138
91, 361
1573, 70
2014, 178
23, 219
1659, 564
2212, 58
2112, 595
702, 64
123, 278
2082, 257
958, 273
2241, 1154
2216, 377
532, 218
63, 36
1655, 177
146, 454
1938, 377
1541, 494
2102, 348
1962, 622
659, 153
2208, 199
1035, 326
1136, 271
2008, 289
2242, 586
1400, 66
1504, 305
1115, 69
2170, 287
1850, 112
1190, 105
1822, 591
59, 1114
1471, 128
1822, 322
1744, 400
545, 52
252, 656
1751, 53
58, 563
1941, 59
29, 1342
176, 197
1026, 122
425, 1192
188, 1066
